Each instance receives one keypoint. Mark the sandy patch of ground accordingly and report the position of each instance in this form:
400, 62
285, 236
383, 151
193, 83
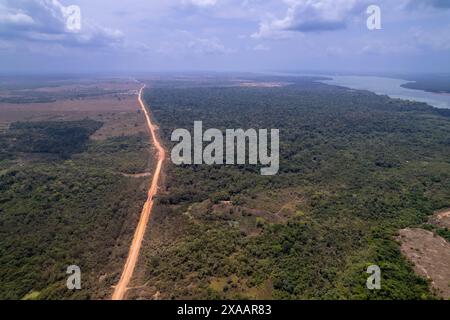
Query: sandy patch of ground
137, 175
281, 203
441, 219
263, 84
430, 255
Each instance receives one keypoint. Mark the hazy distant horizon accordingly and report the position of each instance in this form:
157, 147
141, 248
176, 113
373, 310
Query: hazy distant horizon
300, 73
223, 35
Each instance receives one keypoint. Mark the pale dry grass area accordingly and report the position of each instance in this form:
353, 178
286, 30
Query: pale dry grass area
263, 84
441, 219
89, 84
120, 113
429, 253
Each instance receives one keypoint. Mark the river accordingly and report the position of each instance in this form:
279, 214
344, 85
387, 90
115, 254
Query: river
391, 87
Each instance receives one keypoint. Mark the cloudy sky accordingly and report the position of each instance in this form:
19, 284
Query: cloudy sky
224, 35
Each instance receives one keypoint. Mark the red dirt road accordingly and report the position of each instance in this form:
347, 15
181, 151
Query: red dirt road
133, 255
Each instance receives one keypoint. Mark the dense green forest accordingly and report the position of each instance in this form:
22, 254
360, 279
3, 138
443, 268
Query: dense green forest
65, 201
355, 168
432, 83
58, 138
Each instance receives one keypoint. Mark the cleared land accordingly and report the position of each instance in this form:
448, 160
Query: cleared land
120, 115
74, 177
441, 219
430, 255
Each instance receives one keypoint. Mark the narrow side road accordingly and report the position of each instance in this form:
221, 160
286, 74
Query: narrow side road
133, 255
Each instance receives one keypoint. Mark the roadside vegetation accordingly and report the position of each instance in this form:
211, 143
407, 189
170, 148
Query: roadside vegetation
65, 201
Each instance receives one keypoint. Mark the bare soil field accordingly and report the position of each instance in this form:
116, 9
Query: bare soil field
430, 255
441, 219
263, 84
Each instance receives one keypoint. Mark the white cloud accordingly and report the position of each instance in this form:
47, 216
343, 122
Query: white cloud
200, 3
203, 3
207, 46
310, 16
16, 19
46, 21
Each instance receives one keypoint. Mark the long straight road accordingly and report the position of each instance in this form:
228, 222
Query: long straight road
133, 255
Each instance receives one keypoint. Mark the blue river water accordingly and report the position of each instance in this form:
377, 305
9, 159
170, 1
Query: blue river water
390, 87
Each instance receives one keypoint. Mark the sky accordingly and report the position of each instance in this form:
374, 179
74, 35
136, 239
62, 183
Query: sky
223, 35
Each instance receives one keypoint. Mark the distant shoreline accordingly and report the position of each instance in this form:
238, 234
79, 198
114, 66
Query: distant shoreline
392, 87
